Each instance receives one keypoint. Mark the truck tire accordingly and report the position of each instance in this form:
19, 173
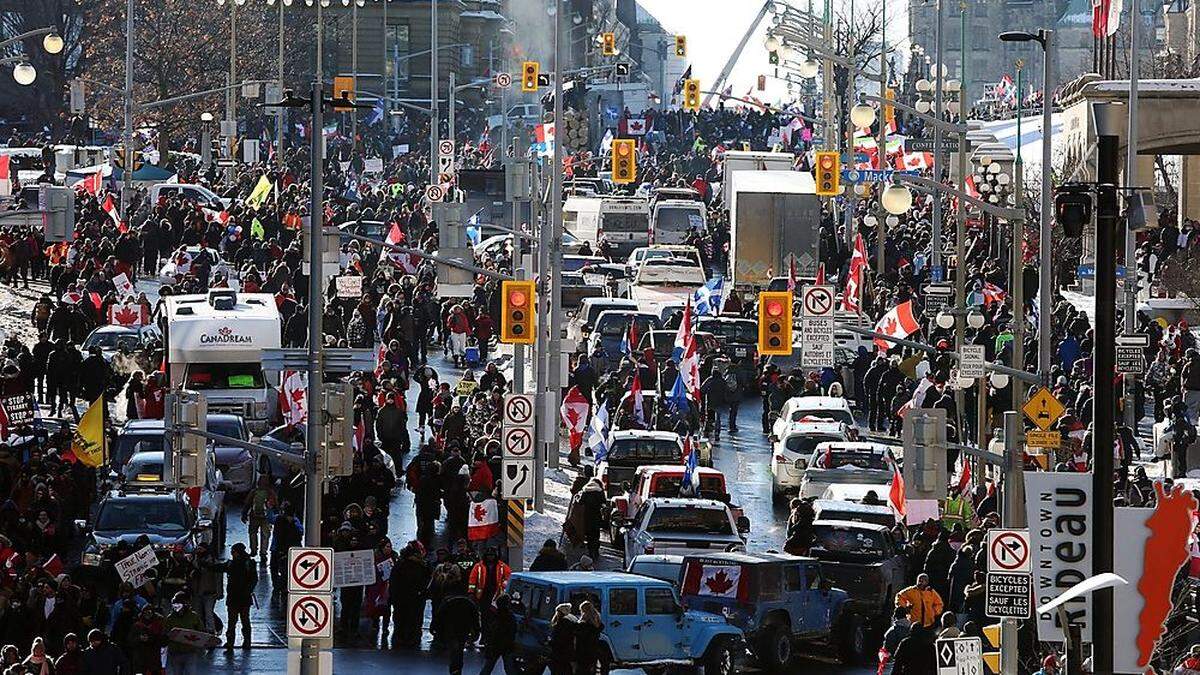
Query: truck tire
776, 649
719, 658
852, 636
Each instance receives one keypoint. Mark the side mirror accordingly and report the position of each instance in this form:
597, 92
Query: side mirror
743, 524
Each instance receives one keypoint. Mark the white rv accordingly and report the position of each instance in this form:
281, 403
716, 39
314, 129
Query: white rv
214, 345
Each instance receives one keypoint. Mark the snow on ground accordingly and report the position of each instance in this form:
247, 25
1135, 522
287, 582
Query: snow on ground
548, 525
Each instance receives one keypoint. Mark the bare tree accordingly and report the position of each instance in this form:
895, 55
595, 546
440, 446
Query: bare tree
43, 103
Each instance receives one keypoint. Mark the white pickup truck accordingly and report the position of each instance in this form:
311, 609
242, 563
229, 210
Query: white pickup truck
665, 281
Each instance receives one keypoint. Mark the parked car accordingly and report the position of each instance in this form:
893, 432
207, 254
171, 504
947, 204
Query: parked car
834, 408
146, 468
645, 625
683, 525
845, 462
865, 559
628, 450
177, 265
777, 600
612, 328
661, 480
113, 340
739, 343
136, 436
657, 566
797, 443
159, 513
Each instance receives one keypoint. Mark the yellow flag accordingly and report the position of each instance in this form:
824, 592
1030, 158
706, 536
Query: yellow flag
88, 443
261, 191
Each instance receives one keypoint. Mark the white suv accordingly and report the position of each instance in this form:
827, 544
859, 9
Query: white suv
797, 443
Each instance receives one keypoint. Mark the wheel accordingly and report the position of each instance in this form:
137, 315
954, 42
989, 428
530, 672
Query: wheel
853, 639
777, 496
718, 660
776, 648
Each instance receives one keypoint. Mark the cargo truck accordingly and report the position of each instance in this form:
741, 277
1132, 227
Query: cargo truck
773, 215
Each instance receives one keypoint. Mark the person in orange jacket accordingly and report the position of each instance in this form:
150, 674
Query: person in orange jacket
923, 602
485, 583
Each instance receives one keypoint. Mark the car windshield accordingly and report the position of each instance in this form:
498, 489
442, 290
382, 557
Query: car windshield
849, 540
679, 219
127, 444
224, 376
617, 325
804, 444
738, 332
645, 450
690, 520
594, 309
831, 414
226, 426
139, 515
109, 339
668, 486
831, 457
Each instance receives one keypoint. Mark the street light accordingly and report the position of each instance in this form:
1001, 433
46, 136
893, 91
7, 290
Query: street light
52, 43
772, 43
809, 69
24, 74
206, 116
862, 115
896, 199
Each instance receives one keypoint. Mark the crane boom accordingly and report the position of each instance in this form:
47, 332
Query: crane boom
737, 53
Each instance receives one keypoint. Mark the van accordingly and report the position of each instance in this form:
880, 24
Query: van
196, 193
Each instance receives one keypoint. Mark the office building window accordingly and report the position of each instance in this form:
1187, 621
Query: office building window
398, 61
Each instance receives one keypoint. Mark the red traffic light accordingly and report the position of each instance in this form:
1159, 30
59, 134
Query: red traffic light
827, 162
774, 308
517, 298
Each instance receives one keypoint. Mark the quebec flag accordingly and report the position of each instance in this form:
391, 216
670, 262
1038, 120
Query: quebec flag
709, 299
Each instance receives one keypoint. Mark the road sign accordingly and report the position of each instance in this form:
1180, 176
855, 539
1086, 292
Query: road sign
873, 175
1043, 409
1008, 595
1043, 439
817, 301
937, 298
310, 570
518, 409
518, 479
959, 656
503, 80
970, 362
516, 443
310, 615
435, 193
1131, 355
445, 147
1008, 551
926, 144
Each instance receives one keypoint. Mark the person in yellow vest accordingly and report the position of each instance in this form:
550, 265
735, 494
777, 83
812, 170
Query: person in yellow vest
923, 602
957, 511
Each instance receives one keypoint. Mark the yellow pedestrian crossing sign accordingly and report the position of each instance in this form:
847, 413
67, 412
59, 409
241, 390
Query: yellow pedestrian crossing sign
1043, 409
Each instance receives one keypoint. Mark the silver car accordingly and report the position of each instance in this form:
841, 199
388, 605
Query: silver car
683, 526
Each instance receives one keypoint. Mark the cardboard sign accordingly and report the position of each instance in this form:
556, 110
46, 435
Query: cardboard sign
133, 569
353, 568
349, 286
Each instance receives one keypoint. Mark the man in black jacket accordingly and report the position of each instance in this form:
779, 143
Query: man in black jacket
408, 591
242, 577
503, 639
457, 622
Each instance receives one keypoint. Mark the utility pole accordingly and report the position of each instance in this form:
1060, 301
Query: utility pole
848, 161
231, 94
960, 223
882, 214
1104, 403
310, 648
450, 103
354, 73
1017, 264
1046, 233
935, 241
434, 114
1014, 516
127, 140
387, 103
1131, 180
281, 117
554, 344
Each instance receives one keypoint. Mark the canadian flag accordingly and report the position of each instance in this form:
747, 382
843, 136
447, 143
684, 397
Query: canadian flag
91, 184
718, 581
574, 413
110, 208
1106, 17
854, 279
898, 323
914, 161
484, 520
405, 261
896, 493
635, 126
293, 397
131, 315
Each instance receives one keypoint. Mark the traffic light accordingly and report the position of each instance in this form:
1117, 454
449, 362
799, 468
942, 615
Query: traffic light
1073, 208
991, 648
529, 76
518, 301
680, 46
889, 112
691, 95
829, 173
339, 429
923, 438
775, 323
609, 42
624, 161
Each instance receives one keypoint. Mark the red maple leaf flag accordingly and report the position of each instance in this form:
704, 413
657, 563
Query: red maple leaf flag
722, 581
964, 478
293, 397
484, 522
896, 492
125, 315
574, 413
91, 184
854, 278
899, 322
110, 207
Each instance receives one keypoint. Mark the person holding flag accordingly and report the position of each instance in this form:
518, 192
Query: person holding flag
597, 439
715, 393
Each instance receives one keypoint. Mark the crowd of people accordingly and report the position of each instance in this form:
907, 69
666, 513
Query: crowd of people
446, 451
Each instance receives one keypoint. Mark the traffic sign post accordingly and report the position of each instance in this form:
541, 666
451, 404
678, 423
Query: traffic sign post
1131, 355
937, 298
816, 330
519, 465
503, 80
971, 361
959, 656
1008, 551
1008, 596
435, 194
310, 615
310, 570
1043, 409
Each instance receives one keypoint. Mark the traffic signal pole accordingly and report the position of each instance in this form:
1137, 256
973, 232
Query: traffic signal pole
554, 344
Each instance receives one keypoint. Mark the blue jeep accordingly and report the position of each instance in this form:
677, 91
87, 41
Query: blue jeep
777, 600
645, 626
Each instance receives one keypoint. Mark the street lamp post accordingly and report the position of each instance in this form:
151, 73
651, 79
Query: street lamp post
434, 114
935, 240
127, 134
1045, 38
